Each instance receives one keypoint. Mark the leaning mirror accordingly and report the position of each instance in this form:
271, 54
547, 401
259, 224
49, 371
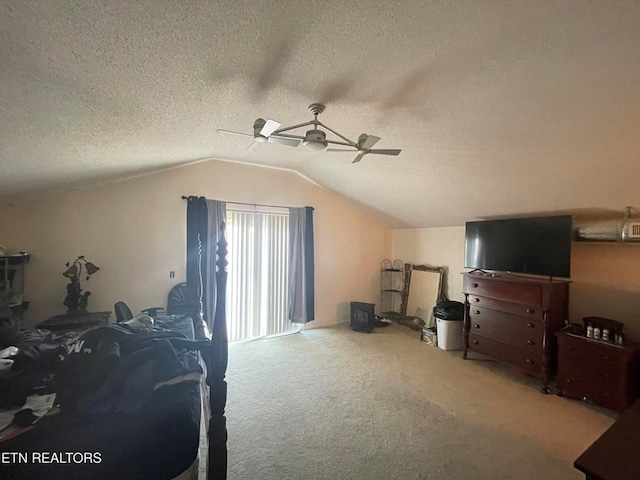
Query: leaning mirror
421, 292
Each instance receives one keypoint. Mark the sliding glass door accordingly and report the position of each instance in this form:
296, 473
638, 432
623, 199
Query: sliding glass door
257, 283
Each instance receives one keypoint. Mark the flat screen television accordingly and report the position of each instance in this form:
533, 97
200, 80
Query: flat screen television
533, 246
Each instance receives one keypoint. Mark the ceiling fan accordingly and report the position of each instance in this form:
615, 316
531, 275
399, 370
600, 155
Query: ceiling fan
315, 139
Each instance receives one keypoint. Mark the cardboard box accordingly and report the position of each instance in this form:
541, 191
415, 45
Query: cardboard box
429, 336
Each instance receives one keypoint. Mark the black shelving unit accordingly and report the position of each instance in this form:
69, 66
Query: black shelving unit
391, 285
12, 302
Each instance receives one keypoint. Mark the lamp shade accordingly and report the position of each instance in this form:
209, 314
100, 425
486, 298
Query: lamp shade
91, 268
71, 272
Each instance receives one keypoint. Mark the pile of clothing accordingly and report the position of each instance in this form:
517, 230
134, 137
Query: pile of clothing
116, 368
104, 370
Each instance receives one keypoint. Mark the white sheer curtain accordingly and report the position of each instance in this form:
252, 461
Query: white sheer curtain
258, 270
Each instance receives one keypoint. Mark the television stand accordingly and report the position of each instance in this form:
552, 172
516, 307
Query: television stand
513, 320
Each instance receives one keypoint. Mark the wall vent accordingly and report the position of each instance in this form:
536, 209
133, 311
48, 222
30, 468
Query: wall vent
633, 230
624, 229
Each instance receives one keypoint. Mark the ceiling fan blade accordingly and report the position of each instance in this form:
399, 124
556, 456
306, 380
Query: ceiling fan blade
291, 142
277, 57
338, 150
269, 127
386, 152
358, 158
219, 130
369, 142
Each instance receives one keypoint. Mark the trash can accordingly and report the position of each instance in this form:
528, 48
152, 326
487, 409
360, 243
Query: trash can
449, 321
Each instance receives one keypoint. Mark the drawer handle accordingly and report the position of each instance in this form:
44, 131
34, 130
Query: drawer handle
530, 310
529, 361
476, 299
475, 325
530, 342
476, 342
476, 312
474, 285
530, 325
568, 380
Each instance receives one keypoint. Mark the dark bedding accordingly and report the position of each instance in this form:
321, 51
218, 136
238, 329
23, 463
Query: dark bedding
138, 418
157, 442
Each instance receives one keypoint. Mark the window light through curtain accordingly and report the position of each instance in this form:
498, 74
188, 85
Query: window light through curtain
258, 242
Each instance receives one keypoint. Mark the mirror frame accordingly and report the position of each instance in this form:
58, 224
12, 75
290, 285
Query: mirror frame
408, 268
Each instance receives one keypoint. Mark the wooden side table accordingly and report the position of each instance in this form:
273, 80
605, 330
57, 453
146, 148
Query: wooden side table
75, 321
601, 372
614, 456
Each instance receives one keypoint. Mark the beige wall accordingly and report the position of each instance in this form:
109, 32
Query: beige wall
135, 231
439, 247
606, 283
605, 276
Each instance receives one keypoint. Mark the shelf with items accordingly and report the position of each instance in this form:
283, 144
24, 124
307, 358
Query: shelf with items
12, 302
391, 284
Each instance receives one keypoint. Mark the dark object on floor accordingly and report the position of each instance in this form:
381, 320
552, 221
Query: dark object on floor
381, 322
362, 317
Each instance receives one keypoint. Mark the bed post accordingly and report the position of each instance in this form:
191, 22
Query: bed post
217, 367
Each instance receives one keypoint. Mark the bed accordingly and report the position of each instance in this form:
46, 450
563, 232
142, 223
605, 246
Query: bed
96, 436
158, 439
148, 430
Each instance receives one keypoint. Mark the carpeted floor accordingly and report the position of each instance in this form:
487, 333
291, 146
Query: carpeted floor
336, 404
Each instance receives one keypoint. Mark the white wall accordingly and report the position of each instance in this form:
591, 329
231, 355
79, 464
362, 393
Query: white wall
605, 278
135, 231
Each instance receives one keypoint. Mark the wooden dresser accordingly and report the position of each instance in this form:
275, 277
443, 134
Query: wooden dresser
601, 372
513, 319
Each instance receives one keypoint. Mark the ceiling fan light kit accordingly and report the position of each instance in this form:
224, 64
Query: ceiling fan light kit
315, 139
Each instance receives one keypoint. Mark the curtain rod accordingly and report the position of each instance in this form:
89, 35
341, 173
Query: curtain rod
245, 203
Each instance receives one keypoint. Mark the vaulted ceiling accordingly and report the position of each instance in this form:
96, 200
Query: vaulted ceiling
500, 108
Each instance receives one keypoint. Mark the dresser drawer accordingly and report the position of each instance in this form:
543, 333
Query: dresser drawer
524, 360
527, 293
516, 331
606, 394
530, 311
506, 320
607, 399
591, 354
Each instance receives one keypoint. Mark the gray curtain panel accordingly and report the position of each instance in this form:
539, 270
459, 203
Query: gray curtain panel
301, 266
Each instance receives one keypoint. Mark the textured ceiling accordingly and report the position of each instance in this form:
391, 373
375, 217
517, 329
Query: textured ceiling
500, 107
